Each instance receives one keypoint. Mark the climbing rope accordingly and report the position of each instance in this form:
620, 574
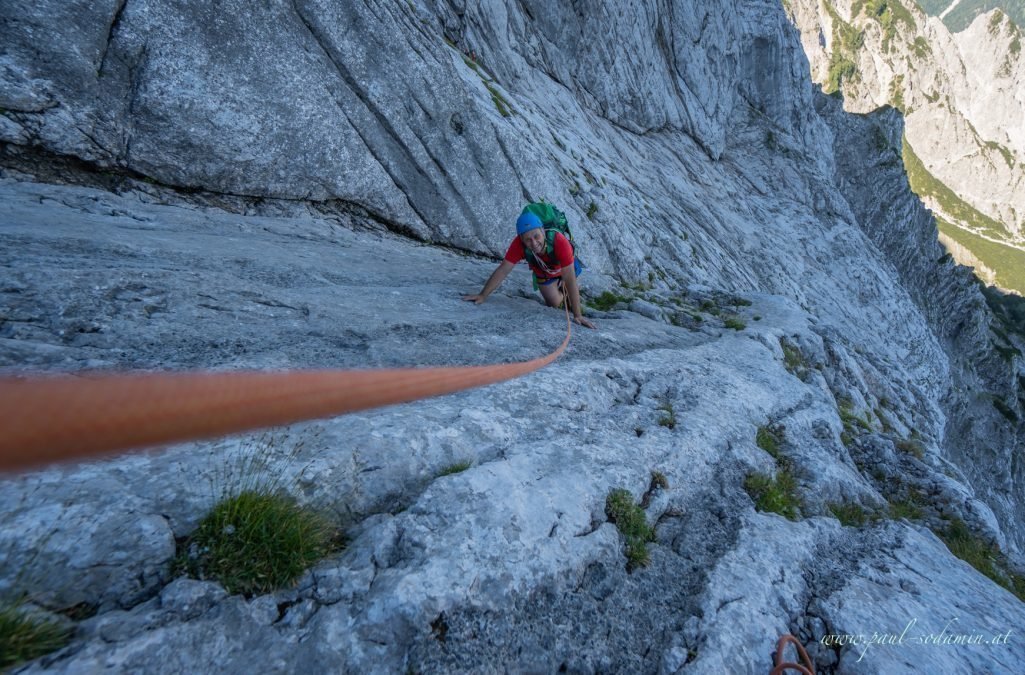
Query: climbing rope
805, 667
57, 418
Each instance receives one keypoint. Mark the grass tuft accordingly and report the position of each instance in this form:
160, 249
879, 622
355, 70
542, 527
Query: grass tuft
851, 422
606, 301
908, 508
659, 481
912, 446
972, 549
629, 518
458, 467
710, 307
775, 494
793, 360
851, 514
668, 419
25, 635
982, 555
255, 542
734, 322
769, 440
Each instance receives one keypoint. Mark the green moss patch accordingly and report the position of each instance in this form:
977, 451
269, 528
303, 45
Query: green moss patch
496, 96
629, 519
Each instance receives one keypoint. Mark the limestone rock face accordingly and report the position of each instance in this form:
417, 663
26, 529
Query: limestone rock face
306, 184
963, 94
385, 111
945, 293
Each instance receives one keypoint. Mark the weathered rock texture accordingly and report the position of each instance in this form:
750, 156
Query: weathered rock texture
273, 181
963, 94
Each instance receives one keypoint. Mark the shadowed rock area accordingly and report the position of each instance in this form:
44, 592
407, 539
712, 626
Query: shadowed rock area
309, 185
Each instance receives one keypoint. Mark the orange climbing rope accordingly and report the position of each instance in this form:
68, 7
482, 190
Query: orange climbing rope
805, 667
55, 418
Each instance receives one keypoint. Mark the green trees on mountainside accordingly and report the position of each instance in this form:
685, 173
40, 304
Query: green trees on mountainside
847, 40
925, 184
934, 7
973, 230
962, 16
888, 13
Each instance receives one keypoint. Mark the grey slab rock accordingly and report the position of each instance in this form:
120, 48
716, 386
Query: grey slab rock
241, 181
511, 559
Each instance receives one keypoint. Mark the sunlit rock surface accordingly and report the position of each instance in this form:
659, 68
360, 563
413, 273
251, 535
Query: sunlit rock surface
316, 186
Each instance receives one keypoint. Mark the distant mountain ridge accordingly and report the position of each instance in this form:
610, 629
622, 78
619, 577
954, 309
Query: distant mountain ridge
963, 102
960, 13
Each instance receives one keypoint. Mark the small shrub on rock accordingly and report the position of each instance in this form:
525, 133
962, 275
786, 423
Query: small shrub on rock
659, 481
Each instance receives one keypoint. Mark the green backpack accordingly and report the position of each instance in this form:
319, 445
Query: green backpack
553, 221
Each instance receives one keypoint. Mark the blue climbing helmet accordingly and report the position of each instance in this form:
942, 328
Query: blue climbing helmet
527, 221
553, 221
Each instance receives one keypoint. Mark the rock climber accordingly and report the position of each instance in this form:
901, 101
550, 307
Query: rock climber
550, 257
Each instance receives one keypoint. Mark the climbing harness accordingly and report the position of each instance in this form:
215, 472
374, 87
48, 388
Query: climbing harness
56, 418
